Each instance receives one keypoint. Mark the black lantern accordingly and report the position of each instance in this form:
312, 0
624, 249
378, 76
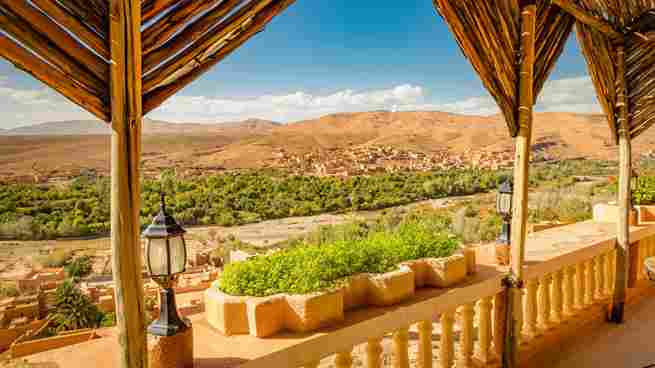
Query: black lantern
504, 208
165, 259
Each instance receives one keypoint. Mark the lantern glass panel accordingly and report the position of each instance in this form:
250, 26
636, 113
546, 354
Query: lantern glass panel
504, 203
178, 254
157, 257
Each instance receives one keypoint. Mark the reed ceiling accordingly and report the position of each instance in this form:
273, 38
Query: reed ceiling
65, 43
486, 31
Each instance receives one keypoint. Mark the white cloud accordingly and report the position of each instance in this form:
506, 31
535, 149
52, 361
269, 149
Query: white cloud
569, 95
23, 106
295, 106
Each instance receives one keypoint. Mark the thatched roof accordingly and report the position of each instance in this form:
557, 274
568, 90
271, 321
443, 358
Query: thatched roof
486, 31
65, 43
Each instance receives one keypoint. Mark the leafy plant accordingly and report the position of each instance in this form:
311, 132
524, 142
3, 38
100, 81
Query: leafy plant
57, 258
308, 267
73, 309
79, 267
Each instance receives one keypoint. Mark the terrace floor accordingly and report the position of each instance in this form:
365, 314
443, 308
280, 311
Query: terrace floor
628, 345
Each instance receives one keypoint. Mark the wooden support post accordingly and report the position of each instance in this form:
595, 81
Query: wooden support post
125, 33
521, 166
625, 172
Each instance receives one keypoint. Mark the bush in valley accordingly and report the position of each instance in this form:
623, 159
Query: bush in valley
8, 291
79, 267
108, 320
82, 207
645, 193
58, 258
307, 267
73, 309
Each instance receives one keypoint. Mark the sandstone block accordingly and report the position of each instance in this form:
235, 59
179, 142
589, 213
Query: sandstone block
226, 313
446, 272
355, 292
312, 311
171, 351
392, 287
266, 315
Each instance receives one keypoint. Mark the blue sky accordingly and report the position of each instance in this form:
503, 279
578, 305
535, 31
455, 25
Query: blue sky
321, 57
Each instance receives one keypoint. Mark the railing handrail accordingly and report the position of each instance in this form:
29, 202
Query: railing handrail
377, 322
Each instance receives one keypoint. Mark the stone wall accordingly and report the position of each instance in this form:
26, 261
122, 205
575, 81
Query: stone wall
26, 348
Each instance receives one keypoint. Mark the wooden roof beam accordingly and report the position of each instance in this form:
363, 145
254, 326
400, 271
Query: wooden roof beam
189, 35
52, 77
51, 30
151, 8
168, 25
62, 16
584, 17
197, 49
157, 96
23, 32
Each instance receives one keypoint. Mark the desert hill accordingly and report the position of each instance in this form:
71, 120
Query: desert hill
202, 148
150, 127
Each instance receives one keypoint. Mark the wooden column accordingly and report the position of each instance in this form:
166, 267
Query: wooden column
625, 172
521, 167
125, 33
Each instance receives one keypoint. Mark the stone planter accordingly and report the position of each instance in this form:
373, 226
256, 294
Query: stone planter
645, 215
610, 213
226, 313
392, 287
267, 316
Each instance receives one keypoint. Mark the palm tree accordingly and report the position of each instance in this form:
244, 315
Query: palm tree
74, 310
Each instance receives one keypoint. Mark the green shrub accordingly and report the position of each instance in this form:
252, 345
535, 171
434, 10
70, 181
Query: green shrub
79, 267
313, 267
74, 310
645, 193
108, 320
58, 258
8, 291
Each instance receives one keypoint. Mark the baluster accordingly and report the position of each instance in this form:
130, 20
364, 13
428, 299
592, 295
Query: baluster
613, 267
447, 351
590, 284
400, 353
344, 359
425, 344
484, 330
556, 312
569, 297
607, 265
543, 320
500, 311
530, 326
600, 277
517, 315
466, 313
374, 353
579, 286
643, 252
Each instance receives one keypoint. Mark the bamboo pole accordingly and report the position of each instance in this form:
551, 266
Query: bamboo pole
625, 173
125, 35
584, 17
528, 10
